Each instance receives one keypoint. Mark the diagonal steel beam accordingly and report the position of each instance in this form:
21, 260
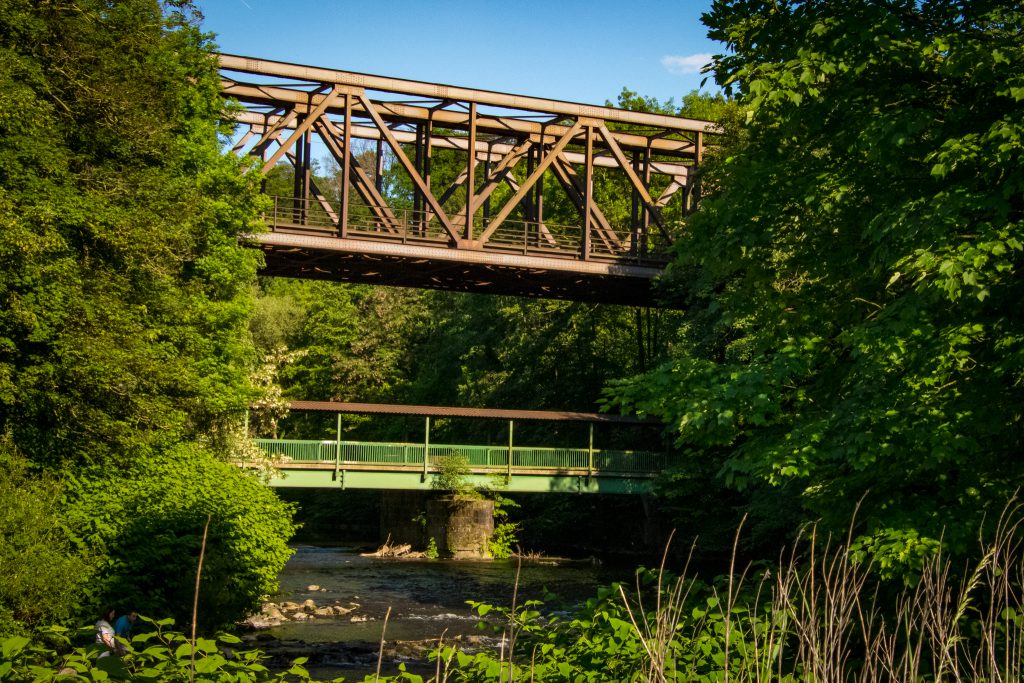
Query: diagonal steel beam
542, 229
638, 184
500, 172
511, 203
302, 128
240, 145
320, 197
570, 180
272, 132
674, 186
410, 168
459, 181
358, 177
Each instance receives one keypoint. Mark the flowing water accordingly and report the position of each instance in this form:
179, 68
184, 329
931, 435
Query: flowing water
426, 598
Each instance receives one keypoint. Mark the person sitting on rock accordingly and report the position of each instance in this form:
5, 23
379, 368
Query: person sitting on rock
123, 629
105, 632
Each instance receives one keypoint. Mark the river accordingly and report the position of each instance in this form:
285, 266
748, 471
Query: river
426, 598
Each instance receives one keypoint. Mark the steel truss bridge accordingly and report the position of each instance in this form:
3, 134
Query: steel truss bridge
337, 463
488, 229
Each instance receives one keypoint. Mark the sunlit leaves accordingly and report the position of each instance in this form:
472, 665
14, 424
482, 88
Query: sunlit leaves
873, 203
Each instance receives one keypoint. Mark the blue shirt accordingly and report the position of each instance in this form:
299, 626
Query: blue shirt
123, 626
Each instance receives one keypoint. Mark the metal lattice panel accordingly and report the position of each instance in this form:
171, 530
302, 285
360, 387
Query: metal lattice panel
486, 230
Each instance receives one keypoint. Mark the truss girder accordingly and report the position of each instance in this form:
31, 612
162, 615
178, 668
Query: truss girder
651, 156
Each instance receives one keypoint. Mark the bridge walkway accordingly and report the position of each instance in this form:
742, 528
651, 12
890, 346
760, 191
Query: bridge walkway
338, 463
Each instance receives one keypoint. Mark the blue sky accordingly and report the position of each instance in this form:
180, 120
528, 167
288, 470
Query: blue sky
582, 51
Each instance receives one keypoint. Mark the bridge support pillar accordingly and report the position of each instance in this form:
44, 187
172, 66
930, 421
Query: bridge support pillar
460, 527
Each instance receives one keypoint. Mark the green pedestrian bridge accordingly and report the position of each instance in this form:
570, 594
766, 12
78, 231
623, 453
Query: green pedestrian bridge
342, 464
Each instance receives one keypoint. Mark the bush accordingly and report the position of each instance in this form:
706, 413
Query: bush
148, 522
40, 574
156, 655
819, 615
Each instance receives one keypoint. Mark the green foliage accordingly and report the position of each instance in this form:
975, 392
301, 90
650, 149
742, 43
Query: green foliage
814, 616
854, 325
452, 476
125, 290
125, 293
147, 524
431, 551
156, 654
40, 574
505, 537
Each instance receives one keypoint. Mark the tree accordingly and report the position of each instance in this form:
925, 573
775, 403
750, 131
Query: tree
125, 288
125, 295
854, 279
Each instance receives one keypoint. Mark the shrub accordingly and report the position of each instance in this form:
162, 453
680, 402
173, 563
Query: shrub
40, 574
148, 522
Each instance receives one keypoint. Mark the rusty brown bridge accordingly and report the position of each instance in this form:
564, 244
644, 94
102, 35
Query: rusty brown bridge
497, 193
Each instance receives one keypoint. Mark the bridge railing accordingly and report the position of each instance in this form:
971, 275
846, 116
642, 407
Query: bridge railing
524, 458
409, 226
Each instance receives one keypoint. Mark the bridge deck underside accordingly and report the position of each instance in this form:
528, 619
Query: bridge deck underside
318, 256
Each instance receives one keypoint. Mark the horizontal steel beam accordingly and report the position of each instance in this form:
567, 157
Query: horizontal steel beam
275, 96
439, 91
494, 257
476, 413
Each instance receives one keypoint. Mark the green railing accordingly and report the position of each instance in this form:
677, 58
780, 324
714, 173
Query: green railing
477, 457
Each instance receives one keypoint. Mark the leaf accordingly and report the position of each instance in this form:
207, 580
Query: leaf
210, 663
13, 645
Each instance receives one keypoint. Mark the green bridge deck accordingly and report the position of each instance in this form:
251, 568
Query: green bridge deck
410, 466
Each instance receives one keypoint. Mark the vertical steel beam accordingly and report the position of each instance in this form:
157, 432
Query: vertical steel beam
588, 190
634, 214
529, 212
297, 210
337, 449
306, 174
346, 165
508, 471
539, 199
418, 163
471, 172
645, 215
487, 175
590, 453
428, 159
426, 450
378, 180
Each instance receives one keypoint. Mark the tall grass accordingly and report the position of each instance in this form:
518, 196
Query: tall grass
815, 616
820, 617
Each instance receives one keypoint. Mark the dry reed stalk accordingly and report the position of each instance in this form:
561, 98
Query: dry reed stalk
380, 650
195, 600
